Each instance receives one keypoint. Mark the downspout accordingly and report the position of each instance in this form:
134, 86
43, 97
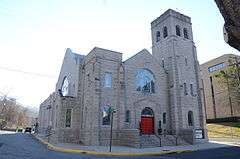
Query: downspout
125, 92
99, 98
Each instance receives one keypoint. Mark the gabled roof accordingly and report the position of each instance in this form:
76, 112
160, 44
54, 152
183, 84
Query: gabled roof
143, 51
147, 54
75, 55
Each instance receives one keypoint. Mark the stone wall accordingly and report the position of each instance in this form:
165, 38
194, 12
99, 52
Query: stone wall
136, 101
61, 133
124, 137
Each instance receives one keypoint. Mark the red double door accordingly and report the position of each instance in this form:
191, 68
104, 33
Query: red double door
147, 125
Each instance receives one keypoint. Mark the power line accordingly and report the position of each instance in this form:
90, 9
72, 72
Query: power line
26, 72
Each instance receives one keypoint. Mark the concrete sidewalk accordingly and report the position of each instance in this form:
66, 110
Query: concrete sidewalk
228, 141
130, 151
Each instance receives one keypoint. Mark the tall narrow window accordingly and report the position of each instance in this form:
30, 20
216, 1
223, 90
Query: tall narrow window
108, 80
190, 118
158, 36
65, 86
185, 88
106, 115
191, 89
164, 118
165, 32
163, 64
186, 61
185, 32
68, 117
178, 33
127, 116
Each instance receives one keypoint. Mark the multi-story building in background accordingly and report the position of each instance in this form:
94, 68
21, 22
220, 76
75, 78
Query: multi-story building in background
216, 97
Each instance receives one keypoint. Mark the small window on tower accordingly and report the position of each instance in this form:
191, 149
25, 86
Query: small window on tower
158, 36
127, 116
185, 88
185, 32
163, 64
186, 61
164, 118
190, 118
68, 117
191, 89
165, 32
178, 33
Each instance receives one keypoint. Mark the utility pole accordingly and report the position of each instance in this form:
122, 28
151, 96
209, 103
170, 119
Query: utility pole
229, 98
111, 111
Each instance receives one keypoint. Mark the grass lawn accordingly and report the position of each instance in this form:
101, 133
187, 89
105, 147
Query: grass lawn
224, 130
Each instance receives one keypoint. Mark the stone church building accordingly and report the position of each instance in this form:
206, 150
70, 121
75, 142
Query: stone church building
154, 95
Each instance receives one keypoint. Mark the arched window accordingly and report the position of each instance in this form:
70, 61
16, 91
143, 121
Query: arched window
178, 32
147, 112
108, 80
163, 63
145, 81
158, 36
106, 115
185, 32
127, 116
186, 61
190, 118
185, 88
68, 117
165, 32
164, 117
65, 86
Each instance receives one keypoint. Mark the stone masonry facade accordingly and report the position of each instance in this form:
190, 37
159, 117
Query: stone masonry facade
153, 95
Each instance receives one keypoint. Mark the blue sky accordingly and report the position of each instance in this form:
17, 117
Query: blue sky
35, 34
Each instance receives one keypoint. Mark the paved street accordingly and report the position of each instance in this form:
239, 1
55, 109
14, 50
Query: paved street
25, 146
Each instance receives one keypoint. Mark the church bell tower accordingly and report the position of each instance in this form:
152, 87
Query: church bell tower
174, 48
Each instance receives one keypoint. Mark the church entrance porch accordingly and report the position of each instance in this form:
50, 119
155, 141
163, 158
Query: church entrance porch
147, 121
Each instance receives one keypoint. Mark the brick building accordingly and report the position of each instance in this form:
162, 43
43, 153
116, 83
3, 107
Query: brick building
220, 105
153, 94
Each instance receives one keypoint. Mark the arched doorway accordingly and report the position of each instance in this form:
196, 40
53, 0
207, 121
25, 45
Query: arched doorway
147, 121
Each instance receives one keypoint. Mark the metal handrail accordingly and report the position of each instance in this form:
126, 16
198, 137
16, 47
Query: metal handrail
160, 140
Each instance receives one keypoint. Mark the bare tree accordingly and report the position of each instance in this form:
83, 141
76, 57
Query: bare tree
12, 114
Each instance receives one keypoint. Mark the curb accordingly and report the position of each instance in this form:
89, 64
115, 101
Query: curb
59, 149
226, 143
